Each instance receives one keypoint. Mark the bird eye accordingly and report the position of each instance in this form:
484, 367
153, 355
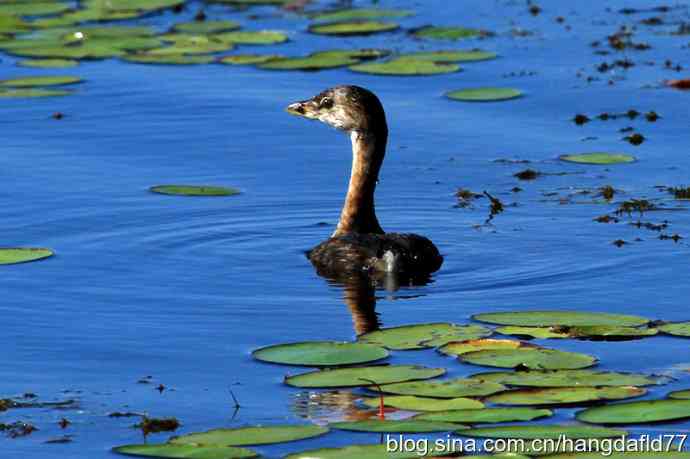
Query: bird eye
326, 102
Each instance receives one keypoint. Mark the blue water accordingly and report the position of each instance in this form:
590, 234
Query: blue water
182, 289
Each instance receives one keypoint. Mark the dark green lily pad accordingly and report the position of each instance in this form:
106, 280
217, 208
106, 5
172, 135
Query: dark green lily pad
13, 24
144, 58
132, 5
598, 158
359, 452
422, 336
320, 353
73, 17
449, 388
243, 436
484, 94
32, 8
248, 59
446, 33
624, 455
676, 329
324, 59
354, 14
637, 412
413, 403
568, 378
404, 426
191, 190
563, 318
487, 415
565, 395
534, 332
48, 63
353, 377
532, 358
260, 37
353, 28
10, 256
543, 431
452, 56
406, 66
183, 44
595, 332
463, 347
205, 27
680, 395
39, 81
167, 450
32, 92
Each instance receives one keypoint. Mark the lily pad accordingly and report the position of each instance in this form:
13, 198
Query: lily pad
452, 56
463, 347
624, 455
531, 358
450, 388
248, 59
565, 395
144, 58
132, 5
404, 426
353, 28
48, 63
637, 412
484, 94
324, 59
362, 376
260, 37
598, 158
39, 81
680, 395
406, 66
422, 336
182, 44
10, 256
533, 332
446, 33
205, 27
413, 403
13, 24
353, 14
563, 318
32, 8
167, 450
32, 92
487, 415
244, 436
359, 452
543, 431
676, 329
192, 190
595, 332
320, 353
569, 378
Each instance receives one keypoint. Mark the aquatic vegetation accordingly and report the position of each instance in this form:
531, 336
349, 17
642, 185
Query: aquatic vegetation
532, 358
680, 395
487, 415
205, 27
323, 60
376, 451
352, 14
259, 37
194, 190
414, 403
676, 329
544, 431
248, 59
363, 376
167, 59
243, 436
406, 66
39, 81
446, 33
463, 347
353, 28
48, 63
405, 426
447, 388
320, 353
9, 256
598, 158
562, 318
423, 336
155, 425
587, 332
565, 395
637, 412
168, 450
484, 94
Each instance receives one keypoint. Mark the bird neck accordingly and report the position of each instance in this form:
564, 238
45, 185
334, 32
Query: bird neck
358, 214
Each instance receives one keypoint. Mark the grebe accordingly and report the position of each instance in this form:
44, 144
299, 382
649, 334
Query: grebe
359, 244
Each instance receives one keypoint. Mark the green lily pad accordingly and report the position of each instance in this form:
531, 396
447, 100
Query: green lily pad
13, 24
565, 395
38, 81
598, 158
248, 59
32, 92
446, 33
676, 329
10, 256
422, 336
452, 56
406, 66
250, 2
543, 431
48, 63
261, 37
487, 415
533, 332
32, 8
182, 44
413, 403
624, 455
205, 27
359, 452
244, 436
484, 94
463, 347
324, 59
91, 44
353, 377
531, 358
637, 412
449, 388
167, 450
73, 17
191, 190
354, 14
563, 318
144, 58
569, 378
131, 5
680, 395
320, 353
404, 426
595, 332
353, 28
